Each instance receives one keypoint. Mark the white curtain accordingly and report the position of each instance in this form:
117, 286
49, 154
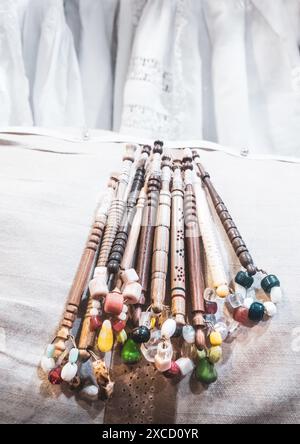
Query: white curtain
221, 70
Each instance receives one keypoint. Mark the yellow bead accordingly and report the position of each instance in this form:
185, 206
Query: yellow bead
122, 337
215, 338
153, 322
215, 354
106, 337
222, 291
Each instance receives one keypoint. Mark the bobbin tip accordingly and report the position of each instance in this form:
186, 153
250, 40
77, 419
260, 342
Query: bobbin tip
200, 339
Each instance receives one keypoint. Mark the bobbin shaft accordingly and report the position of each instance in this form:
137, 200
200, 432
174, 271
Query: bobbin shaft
230, 228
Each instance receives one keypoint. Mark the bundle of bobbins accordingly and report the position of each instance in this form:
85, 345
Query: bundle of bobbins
144, 274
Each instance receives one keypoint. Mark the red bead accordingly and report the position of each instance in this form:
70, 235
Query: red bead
54, 376
211, 307
113, 303
240, 314
118, 325
95, 323
173, 371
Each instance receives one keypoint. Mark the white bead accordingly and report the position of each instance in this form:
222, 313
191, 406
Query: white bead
221, 327
270, 308
168, 328
129, 276
248, 302
163, 357
188, 333
90, 391
94, 311
69, 372
98, 287
186, 365
276, 295
132, 293
100, 271
122, 316
145, 318
96, 304
47, 364
125, 308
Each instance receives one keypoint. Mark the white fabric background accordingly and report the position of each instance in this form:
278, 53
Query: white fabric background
48, 191
223, 70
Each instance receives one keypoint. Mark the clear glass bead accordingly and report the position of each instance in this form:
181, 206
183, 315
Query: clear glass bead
221, 327
235, 300
149, 348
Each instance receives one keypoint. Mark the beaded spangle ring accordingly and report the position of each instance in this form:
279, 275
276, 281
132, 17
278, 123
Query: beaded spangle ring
151, 241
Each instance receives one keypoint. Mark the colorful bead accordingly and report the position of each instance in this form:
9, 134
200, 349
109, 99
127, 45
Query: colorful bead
211, 307
73, 355
130, 352
105, 338
206, 372
222, 291
215, 338
47, 364
276, 295
122, 337
118, 325
95, 323
188, 333
242, 278
54, 376
235, 300
240, 315
113, 303
68, 372
201, 354
94, 312
141, 334
186, 365
256, 312
270, 308
168, 328
215, 354
270, 282
50, 351
173, 371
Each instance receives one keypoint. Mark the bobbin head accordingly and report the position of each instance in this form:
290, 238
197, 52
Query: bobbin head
158, 147
187, 160
130, 150
146, 150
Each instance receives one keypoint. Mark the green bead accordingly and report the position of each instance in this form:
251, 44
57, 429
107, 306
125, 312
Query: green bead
269, 282
242, 278
130, 353
256, 312
201, 354
206, 372
215, 354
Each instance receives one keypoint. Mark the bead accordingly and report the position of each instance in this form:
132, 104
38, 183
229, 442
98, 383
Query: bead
256, 312
132, 292
96, 304
130, 352
276, 295
122, 337
185, 365
201, 354
168, 328
222, 291
240, 315
269, 282
214, 354
145, 319
90, 392
118, 325
209, 295
242, 278
94, 311
50, 351
215, 338
270, 308
206, 372
141, 334
149, 348
235, 300
105, 338
248, 302
68, 372
173, 371
211, 307
210, 318
113, 303
122, 316
163, 357
98, 287
47, 364
188, 333
129, 276
73, 355
95, 323
54, 376
153, 322
125, 308
221, 327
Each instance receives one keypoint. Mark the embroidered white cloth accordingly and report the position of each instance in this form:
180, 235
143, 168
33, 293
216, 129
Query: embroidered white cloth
49, 187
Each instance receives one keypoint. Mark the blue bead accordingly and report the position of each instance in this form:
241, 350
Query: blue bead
242, 278
256, 312
269, 282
